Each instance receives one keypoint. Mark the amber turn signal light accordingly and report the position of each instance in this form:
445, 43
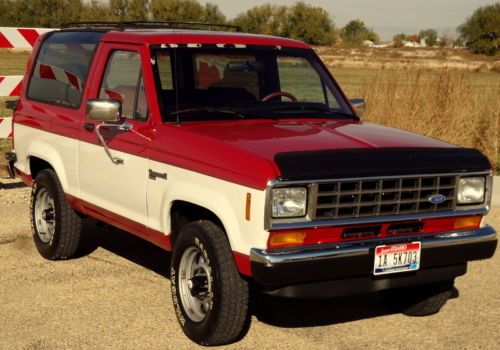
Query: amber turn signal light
466, 222
286, 238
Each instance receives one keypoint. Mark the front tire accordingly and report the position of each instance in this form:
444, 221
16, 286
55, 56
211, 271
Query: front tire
55, 226
423, 300
209, 295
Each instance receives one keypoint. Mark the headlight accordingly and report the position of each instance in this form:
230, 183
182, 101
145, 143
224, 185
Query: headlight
289, 202
470, 190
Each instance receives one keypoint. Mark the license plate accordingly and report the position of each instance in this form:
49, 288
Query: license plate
396, 258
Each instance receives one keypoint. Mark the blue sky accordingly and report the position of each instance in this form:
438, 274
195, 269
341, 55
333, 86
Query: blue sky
388, 17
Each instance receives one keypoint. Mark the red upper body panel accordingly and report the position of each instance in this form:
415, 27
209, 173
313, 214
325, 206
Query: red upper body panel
240, 151
244, 151
184, 36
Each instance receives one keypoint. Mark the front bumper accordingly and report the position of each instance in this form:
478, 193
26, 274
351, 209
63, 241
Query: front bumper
346, 268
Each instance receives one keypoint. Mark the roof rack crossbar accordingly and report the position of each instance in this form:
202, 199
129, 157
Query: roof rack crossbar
150, 24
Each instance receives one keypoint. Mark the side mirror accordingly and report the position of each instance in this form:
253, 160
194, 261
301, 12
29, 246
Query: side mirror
104, 110
359, 106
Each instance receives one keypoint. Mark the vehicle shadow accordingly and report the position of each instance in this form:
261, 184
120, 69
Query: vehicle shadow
280, 312
294, 313
11, 185
125, 245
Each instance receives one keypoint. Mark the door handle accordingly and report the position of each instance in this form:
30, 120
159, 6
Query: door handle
89, 126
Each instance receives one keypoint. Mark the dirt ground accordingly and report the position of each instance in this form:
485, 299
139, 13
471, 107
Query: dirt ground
117, 297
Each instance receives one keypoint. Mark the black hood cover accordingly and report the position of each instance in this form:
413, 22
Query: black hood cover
346, 163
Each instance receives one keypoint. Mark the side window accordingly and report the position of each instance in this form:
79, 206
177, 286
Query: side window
61, 68
123, 81
299, 78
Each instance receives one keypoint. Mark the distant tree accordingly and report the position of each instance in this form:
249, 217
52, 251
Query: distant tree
176, 10
398, 39
138, 10
458, 42
265, 19
373, 37
129, 10
310, 24
355, 32
213, 14
5, 12
96, 10
46, 13
430, 36
481, 31
301, 21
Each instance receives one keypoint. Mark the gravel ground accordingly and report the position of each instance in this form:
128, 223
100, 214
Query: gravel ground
117, 296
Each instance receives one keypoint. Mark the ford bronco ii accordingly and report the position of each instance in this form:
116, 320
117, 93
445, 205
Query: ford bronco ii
241, 155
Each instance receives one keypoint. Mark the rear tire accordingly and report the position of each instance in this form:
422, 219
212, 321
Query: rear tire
209, 295
421, 300
56, 227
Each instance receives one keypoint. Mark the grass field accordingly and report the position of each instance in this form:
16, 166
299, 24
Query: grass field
449, 95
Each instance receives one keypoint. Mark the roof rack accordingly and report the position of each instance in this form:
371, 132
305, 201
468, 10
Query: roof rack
151, 24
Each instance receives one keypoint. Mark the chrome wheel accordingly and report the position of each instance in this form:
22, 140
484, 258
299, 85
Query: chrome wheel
195, 284
45, 216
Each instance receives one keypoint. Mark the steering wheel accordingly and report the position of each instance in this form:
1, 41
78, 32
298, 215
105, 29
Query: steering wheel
273, 95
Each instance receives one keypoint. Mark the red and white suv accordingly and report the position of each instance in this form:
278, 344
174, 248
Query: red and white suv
242, 155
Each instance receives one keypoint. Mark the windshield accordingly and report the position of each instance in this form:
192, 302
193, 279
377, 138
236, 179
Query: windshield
219, 83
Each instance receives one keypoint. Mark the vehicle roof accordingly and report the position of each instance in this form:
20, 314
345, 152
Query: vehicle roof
189, 36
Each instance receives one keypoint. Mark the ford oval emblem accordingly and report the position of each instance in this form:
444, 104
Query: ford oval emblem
436, 199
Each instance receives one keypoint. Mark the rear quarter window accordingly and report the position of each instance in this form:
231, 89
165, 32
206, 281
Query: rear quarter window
61, 68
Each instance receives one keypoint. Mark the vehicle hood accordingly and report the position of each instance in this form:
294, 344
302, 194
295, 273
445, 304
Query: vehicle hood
268, 138
245, 151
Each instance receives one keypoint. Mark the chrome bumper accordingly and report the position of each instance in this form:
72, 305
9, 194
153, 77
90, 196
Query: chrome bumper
354, 259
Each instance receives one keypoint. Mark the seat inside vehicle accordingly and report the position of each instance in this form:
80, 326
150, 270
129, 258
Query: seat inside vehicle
211, 97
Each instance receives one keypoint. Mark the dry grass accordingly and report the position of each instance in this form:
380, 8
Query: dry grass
407, 58
445, 104
5, 146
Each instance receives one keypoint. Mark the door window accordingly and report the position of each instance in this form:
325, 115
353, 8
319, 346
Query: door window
123, 81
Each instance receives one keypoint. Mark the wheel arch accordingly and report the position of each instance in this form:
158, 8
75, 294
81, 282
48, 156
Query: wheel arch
43, 156
183, 212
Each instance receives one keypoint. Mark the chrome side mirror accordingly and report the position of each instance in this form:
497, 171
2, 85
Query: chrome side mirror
359, 106
104, 110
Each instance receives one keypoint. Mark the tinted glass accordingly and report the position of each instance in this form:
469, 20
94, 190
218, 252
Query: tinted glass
123, 81
300, 79
62, 66
246, 82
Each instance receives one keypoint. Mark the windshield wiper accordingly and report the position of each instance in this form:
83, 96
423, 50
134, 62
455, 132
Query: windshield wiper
308, 108
206, 110
238, 113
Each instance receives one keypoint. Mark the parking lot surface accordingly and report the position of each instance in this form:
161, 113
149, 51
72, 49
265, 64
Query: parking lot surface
117, 296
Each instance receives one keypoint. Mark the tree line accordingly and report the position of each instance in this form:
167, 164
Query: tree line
314, 25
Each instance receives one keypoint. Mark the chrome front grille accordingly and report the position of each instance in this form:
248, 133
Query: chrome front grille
342, 199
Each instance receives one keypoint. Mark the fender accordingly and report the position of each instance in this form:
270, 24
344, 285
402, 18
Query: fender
210, 200
225, 199
48, 153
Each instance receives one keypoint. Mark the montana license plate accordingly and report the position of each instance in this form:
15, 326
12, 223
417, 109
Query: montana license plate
396, 258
